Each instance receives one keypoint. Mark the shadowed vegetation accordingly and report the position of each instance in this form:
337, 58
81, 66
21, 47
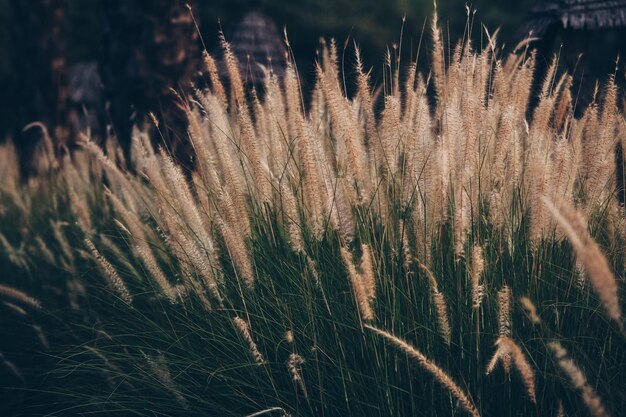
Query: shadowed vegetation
454, 252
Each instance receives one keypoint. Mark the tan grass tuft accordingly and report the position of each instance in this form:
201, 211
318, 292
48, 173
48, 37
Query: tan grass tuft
244, 330
578, 380
292, 216
11, 367
508, 346
438, 373
504, 311
19, 310
20, 296
43, 340
294, 366
362, 291
45, 250
367, 272
161, 372
530, 309
442, 314
134, 227
218, 87
111, 274
438, 65
238, 253
478, 267
590, 256
440, 304
504, 328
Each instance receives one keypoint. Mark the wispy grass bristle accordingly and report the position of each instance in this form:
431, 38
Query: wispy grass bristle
443, 378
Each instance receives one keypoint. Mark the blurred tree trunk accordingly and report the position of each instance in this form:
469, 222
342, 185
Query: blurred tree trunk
39, 56
150, 48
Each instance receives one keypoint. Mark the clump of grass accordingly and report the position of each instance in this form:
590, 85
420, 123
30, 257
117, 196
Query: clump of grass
253, 281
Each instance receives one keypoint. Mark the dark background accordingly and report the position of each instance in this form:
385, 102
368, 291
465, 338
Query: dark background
373, 24
136, 64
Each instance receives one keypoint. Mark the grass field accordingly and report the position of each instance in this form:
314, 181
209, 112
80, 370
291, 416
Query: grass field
449, 243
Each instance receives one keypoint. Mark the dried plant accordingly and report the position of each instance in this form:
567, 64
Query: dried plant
362, 284
244, 330
530, 309
443, 378
440, 304
590, 256
20, 296
508, 351
478, 266
312, 209
578, 380
294, 366
111, 274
